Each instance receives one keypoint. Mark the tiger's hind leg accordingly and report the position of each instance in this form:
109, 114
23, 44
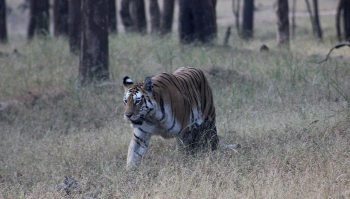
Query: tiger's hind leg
211, 136
204, 137
199, 138
213, 139
186, 142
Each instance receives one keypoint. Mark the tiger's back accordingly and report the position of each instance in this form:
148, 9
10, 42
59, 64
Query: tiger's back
188, 93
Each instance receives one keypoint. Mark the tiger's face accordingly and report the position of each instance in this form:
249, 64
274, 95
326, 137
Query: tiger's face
137, 101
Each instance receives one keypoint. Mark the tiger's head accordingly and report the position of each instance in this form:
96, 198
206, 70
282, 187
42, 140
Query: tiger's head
138, 100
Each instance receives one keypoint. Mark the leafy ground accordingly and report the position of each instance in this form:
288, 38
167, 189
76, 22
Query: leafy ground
290, 114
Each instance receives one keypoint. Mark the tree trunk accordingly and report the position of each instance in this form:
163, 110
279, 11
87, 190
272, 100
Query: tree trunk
293, 18
60, 17
311, 16
346, 19
215, 28
282, 12
319, 33
343, 9
112, 16
186, 22
126, 16
74, 23
3, 28
197, 21
39, 18
248, 19
155, 16
236, 12
167, 16
337, 19
138, 15
94, 53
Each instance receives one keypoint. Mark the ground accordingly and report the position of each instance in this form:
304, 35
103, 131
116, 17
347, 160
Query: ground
289, 113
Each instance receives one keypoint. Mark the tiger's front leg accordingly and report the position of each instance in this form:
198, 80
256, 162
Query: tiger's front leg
138, 147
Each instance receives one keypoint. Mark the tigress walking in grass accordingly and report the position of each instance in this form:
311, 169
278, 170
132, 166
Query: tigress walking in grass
170, 105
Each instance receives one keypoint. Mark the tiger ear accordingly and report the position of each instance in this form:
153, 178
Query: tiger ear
127, 82
148, 85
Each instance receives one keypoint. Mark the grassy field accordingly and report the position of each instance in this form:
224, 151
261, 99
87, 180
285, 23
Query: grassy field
290, 115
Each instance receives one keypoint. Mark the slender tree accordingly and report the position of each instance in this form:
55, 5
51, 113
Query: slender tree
337, 19
155, 16
314, 18
311, 16
213, 4
126, 16
3, 28
60, 17
282, 11
318, 30
167, 16
138, 15
248, 19
236, 6
293, 18
112, 16
74, 25
39, 18
197, 21
94, 53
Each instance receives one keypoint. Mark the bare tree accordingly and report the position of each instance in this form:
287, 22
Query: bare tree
282, 11
112, 16
197, 21
74, 25
167, 16
248, 19
94, 53
155, 16
60, 17
39, 18
138, 15
3, 28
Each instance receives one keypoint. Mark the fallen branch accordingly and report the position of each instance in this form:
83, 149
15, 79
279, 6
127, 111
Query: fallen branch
340, 45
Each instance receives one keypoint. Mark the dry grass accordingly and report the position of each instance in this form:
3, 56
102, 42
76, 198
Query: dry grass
288, 113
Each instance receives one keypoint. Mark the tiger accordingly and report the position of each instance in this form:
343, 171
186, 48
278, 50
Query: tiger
171, 105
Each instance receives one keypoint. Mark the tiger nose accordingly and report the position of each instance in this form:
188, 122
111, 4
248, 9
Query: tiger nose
128, 115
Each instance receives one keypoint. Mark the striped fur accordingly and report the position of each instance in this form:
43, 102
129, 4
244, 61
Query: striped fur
170, 105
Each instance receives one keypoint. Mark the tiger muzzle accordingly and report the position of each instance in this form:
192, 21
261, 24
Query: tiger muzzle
133, 120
